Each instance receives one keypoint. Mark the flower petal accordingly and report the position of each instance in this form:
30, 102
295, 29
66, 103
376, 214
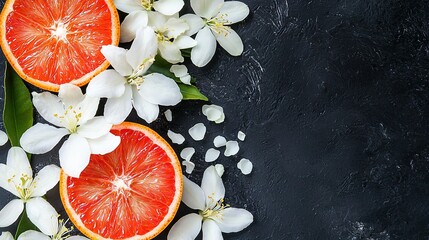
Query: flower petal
42, 215
77, 238
220, 169
187, 153
234, 220
117, 57
170, 52
186, 79
7, 174
6, 236
145, 110
229, 40
190, 166
211, 230
41, 138
70, 94
245, 165
104, 144
168, 7
211, 155
74, 155
187, 227
88, 108
10, 213
233, 12
184, 42
168, 115
45, 180
108, 84
143, 49
32, 235
156, 19
17, 160
161, 90
232, 148
193, 195
241, 136
129, 6
206, 8
3, 138
219, 141
48, 106
195, 23
94, 128
176, 138
198, 131
117, 109
212, 186
175, 27
131, 24
205, 49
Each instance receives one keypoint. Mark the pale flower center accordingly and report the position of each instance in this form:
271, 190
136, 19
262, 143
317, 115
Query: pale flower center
217, 24
24, 189
137, 78
214, 212
63, 232
59, 31
147, 4
71, 118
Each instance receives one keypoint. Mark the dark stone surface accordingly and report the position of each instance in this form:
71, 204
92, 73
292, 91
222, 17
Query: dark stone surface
333, 96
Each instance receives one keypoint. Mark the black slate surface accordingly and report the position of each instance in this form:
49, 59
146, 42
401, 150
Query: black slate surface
333, 98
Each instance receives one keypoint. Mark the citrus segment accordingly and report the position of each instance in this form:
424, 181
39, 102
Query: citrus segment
51, 42
131, 193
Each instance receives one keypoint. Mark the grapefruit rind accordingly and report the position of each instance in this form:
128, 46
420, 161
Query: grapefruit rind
174, 206
8, 8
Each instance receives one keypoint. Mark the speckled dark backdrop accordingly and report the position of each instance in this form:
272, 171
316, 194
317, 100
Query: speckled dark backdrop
333, 96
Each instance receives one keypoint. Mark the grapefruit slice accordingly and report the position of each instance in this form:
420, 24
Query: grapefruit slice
132, 193
51, 42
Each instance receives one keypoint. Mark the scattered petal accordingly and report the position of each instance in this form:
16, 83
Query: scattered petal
179, 70
241, 135
3, 138
189, 166
186, 79
219, 141
187, 153
45, 180
193, 195
211, 155
198, 131
234, 220
187, 227
232, 148
43, 215
220, 169
168, 115
10, 213
213, 113
245, 165
211, 230
176, 138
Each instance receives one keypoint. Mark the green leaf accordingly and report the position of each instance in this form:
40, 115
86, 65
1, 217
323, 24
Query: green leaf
186, 52
190, 92
18, 109
24, 225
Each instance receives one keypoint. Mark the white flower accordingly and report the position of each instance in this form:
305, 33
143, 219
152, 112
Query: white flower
61, 233
215, 215
6, 236
166, 7
169, 33
73, 113
211, 23
127, 85
181, 72
17, 178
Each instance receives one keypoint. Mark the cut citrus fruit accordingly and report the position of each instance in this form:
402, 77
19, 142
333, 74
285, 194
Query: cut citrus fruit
51, 42
131, 193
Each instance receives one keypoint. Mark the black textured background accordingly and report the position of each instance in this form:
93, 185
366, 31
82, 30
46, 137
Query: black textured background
333, 98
